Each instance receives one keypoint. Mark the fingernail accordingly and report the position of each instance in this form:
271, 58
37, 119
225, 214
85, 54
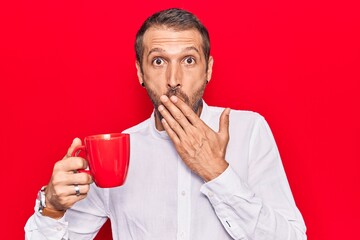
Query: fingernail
163, 98
174, 99
160, 108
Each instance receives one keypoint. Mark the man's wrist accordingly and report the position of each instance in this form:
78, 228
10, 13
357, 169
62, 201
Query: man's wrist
46, 211
214, 174
56, 214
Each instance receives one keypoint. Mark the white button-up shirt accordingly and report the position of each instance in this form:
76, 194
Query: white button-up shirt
163, 199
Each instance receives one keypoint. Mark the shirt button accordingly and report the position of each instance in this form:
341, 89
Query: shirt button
210, 194
59, 229
182, 235
183, 193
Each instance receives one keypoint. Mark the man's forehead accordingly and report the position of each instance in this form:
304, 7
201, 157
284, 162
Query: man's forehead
158, 37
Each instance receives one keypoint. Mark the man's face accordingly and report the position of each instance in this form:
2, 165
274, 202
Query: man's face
173, 63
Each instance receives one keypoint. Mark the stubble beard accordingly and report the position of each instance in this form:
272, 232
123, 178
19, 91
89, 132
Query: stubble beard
194, 101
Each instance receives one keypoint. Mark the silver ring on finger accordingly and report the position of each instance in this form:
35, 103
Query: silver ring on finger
77, 190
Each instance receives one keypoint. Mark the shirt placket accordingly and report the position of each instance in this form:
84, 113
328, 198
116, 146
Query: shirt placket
184, 201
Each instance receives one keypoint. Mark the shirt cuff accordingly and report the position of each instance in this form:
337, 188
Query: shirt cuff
225, 186
56, 228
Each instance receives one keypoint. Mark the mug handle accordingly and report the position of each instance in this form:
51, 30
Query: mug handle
75, 153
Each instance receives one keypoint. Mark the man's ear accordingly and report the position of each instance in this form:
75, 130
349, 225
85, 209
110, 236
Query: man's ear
209, 69
139, 73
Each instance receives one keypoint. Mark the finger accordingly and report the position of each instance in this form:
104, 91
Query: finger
189, 113
75, 143
224, 122
171, 122
71, 164
72, 199
71, 178
77, 189
186, 110
66, 201
80, 178
70, 190
175, 112
173, 136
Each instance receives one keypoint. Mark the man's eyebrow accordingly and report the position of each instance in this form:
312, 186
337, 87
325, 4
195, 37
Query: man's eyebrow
187, 49
155, 50
191, 48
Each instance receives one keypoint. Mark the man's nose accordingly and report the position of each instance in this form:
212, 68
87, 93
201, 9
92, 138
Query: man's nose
174, 76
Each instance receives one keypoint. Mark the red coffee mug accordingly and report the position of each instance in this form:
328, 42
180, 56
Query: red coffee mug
108, 156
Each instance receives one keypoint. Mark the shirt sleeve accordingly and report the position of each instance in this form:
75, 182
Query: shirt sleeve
71, 225
260, 207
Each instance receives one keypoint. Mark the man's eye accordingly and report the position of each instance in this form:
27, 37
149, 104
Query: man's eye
158, 61
189, 60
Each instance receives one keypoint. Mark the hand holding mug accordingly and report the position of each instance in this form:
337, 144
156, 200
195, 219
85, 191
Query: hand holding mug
108, 160
60, 193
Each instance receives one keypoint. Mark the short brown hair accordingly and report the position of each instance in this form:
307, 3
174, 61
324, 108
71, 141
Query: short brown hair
177, 19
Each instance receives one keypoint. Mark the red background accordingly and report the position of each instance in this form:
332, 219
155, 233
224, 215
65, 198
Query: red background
67, 69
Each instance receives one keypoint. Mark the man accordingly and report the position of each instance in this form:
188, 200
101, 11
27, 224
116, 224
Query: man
196, 172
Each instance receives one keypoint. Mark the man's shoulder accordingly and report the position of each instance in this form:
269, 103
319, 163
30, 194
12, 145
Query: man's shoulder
139, 127
236, 113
